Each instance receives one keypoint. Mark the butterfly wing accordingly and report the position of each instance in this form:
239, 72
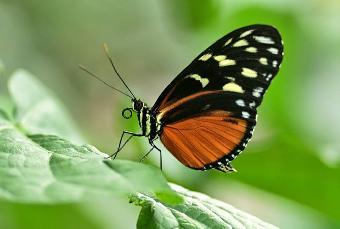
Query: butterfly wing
208, 112
209, 130
248, 57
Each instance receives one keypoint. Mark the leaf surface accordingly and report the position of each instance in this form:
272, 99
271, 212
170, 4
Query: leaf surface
197, 211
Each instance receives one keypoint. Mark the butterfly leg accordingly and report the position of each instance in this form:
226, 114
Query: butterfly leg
120, 145
160, 154
160, 157
145, 155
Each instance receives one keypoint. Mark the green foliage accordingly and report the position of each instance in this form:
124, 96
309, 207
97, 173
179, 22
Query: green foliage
43, 168
48, 169
38, 111
287, 163
197, 211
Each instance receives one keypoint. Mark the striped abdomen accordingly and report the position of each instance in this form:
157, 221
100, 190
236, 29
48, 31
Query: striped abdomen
148, 123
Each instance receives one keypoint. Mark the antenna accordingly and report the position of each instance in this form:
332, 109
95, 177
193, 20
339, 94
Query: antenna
98, 78
106, 49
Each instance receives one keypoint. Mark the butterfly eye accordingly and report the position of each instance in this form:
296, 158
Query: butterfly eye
127, 113
137, 105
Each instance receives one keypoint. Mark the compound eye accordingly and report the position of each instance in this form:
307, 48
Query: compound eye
127, 113
139, 105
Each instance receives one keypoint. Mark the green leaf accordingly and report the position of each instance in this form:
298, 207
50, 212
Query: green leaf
49, 169
38, 110
197, 211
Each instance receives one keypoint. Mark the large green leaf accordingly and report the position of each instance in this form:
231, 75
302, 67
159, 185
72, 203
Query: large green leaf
38, 110
49, 169
197, 211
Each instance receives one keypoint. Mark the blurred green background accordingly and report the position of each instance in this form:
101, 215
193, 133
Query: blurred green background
290, 173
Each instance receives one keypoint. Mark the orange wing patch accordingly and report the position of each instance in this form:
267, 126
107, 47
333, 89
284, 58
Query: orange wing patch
202, 140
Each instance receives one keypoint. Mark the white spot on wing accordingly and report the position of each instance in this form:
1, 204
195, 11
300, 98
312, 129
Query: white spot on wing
274, 63
256, 94
203, 81
205, 57
269, 77
233, 87
245, 114
240, 102
263, 61
252, 104
227, 62
264, 40
247, 72
240, 43
251, 49
257, 91
275, 51
246, 33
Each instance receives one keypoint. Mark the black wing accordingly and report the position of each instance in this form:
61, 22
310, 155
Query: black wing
246, 59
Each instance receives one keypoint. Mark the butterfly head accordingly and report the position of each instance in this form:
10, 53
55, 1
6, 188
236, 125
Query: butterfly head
137, 106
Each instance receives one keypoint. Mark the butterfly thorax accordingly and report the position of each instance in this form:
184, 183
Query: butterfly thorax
147, 120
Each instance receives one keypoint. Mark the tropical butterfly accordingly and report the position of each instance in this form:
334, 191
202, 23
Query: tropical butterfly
206, 116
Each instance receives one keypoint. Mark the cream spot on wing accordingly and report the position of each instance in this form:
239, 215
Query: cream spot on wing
230, 78
233, 87
264, 40
247, 72
251, 49
246, 33
275, 51
204, 81
263, 61
227, 62
205, 57
228, 42
240, 43
220, 57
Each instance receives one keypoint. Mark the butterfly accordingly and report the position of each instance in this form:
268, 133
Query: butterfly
206, 116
